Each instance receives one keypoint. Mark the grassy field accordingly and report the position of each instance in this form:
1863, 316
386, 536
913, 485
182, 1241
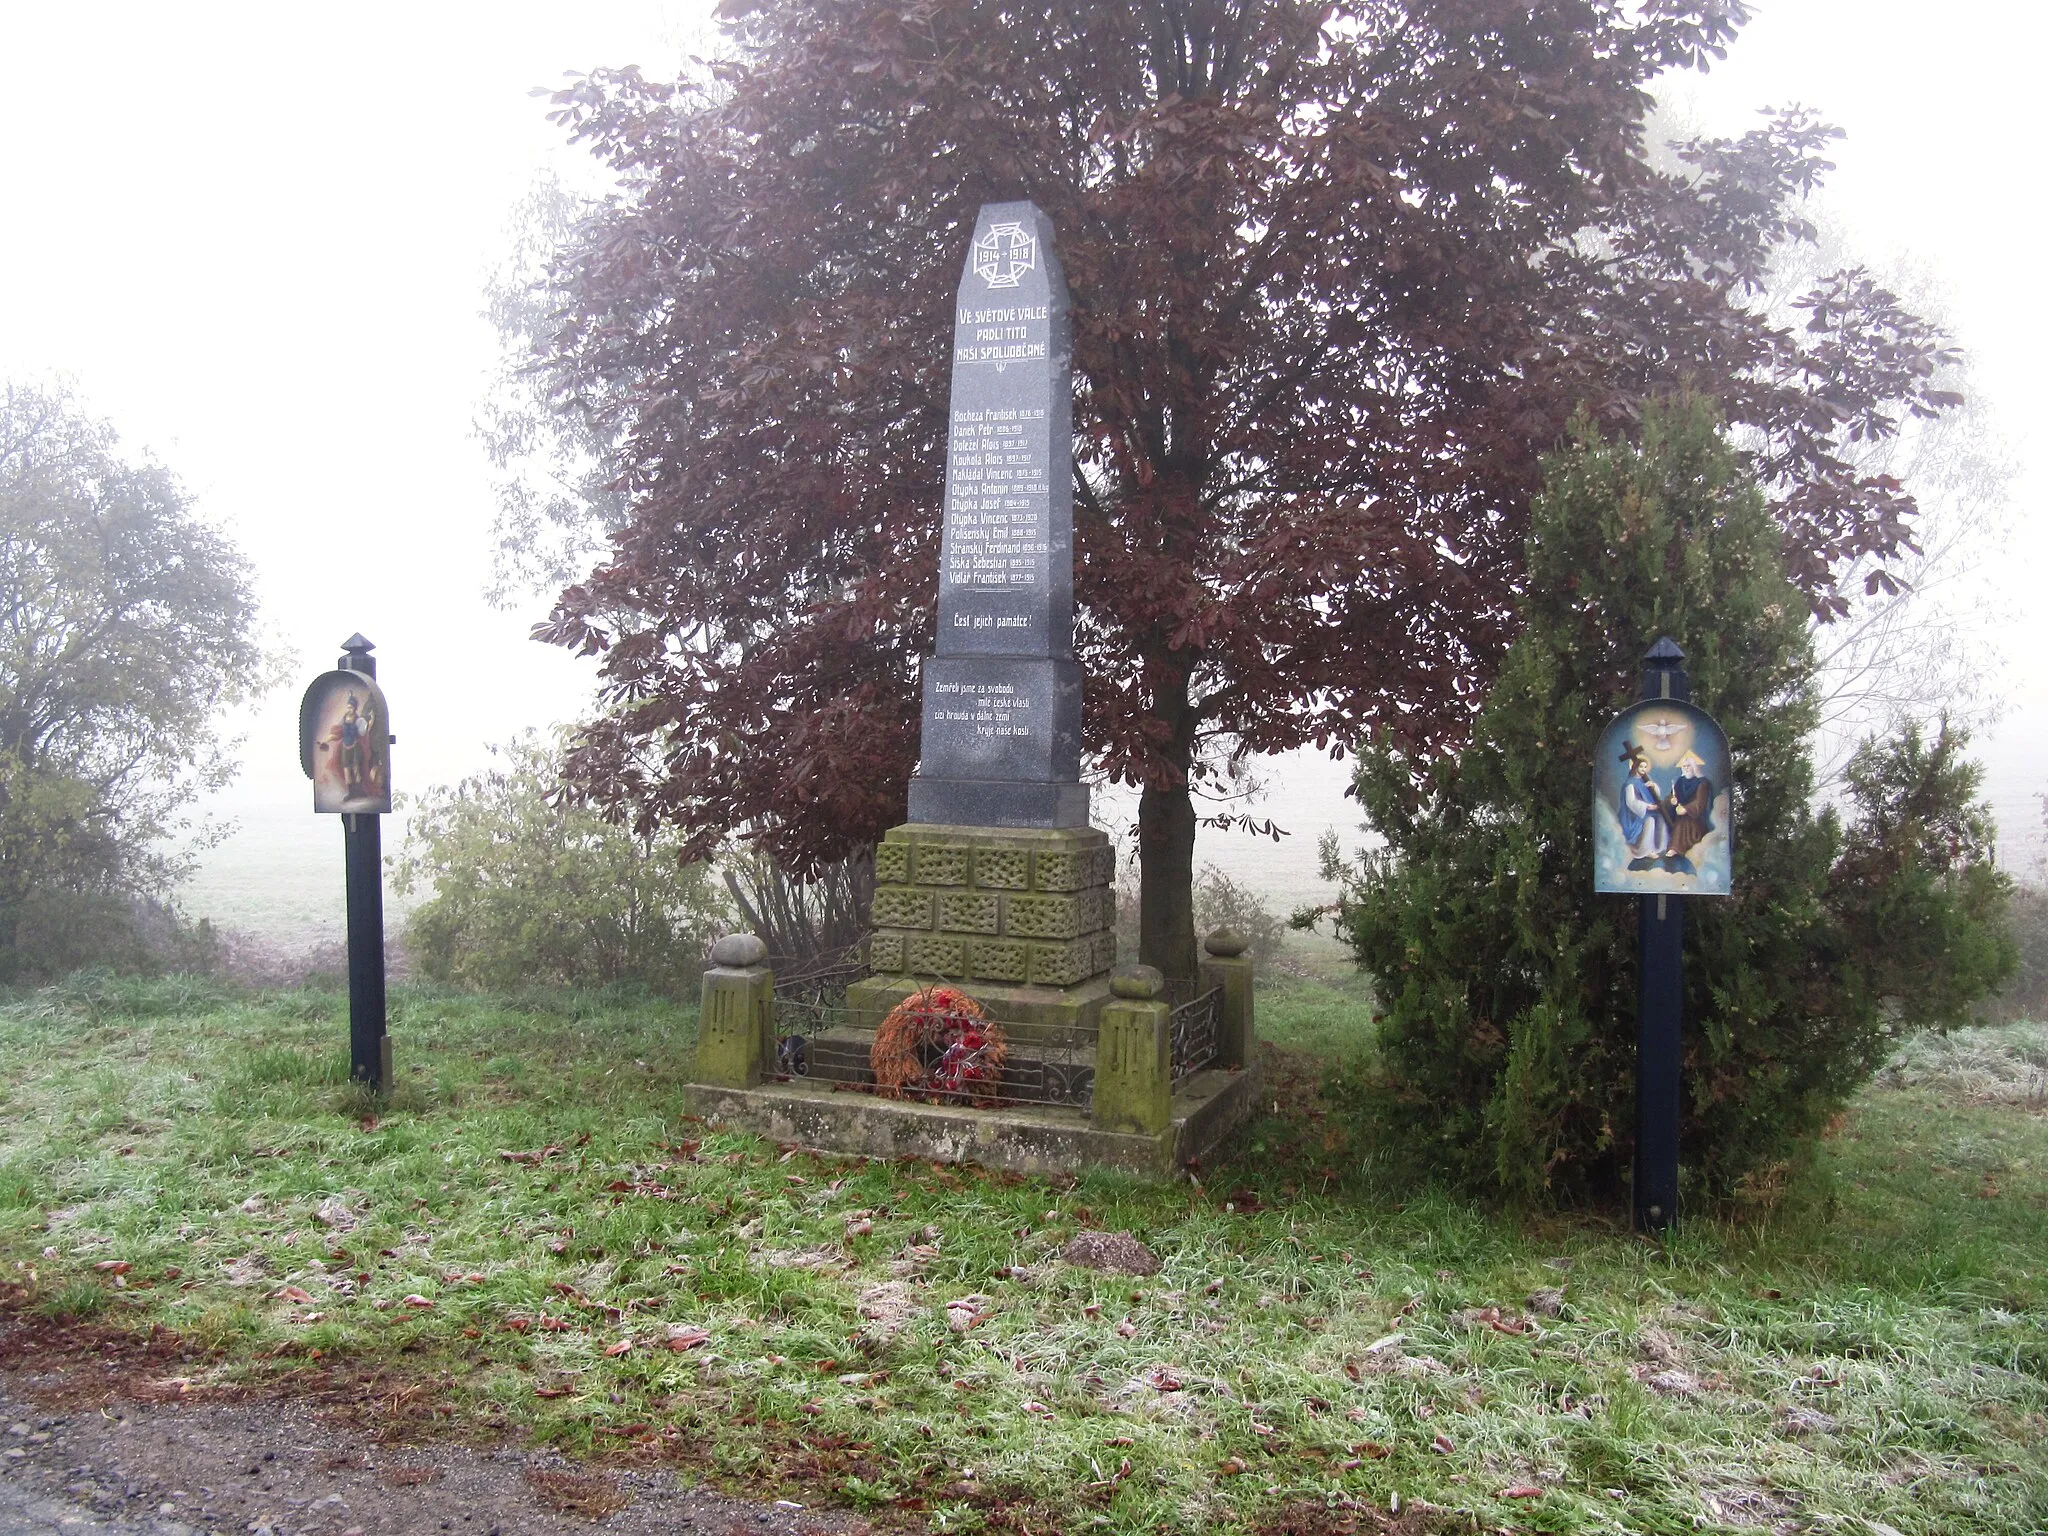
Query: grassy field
532, 1238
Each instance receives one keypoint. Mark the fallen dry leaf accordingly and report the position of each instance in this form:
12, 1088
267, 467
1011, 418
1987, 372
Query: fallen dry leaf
619, 1348
1547, 1302
966, 1313
529, 1158
1115, 1477
334, 1213
1521, 1491
416, 1300
1671, 1383
680, 1339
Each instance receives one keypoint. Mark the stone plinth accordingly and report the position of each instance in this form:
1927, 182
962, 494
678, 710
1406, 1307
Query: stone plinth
1134, 1057
736, 1018
1202, 1113
1021, 918
1227, 965
1139, 1118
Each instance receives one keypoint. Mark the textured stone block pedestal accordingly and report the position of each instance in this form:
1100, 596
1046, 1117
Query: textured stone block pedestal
1021, 918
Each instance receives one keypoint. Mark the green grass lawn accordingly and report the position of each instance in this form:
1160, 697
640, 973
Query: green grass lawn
540, 1231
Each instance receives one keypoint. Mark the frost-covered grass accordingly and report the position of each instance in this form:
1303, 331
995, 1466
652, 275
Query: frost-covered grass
2007, 1064
1869, 1351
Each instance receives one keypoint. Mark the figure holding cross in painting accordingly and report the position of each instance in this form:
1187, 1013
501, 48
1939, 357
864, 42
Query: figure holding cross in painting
1644, 825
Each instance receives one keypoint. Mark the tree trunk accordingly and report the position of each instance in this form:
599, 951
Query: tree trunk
1166, 846
1166, 881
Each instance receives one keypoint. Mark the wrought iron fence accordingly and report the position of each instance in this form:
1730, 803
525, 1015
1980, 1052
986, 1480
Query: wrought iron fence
1197, 1028
818, 1038
824, 983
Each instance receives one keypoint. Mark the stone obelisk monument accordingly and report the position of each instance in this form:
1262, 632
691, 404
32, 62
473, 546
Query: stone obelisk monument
998, 881
1002, 698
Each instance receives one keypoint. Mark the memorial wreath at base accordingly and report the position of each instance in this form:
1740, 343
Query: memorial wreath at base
939, 1044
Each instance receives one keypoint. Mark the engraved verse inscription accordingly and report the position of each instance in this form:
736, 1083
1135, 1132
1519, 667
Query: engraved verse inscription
990, 708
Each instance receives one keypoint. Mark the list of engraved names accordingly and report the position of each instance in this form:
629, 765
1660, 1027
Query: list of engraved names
996, 499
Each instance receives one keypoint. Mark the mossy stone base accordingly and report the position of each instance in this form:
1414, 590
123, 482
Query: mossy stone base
1134, 1066
1205, 1109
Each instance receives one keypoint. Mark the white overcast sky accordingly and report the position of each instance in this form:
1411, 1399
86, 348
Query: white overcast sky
255, 237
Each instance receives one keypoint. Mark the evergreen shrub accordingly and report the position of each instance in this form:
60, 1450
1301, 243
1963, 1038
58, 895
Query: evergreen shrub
1505, 1052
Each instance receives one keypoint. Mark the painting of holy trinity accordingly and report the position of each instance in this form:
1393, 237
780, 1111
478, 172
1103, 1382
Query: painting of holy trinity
345, 744
1661, 822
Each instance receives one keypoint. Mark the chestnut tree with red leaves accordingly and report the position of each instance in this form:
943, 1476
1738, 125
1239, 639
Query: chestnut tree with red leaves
1341, 272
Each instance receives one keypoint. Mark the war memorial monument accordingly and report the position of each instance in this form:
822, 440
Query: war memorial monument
996, 886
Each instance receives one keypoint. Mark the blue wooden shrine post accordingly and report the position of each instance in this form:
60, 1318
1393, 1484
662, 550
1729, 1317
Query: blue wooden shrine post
1660, 1003
1662, 833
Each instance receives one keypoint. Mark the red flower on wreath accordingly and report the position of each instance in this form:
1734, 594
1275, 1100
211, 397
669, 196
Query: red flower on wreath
939, 1043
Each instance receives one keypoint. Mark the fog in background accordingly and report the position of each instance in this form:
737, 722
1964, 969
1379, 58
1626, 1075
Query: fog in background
256, 239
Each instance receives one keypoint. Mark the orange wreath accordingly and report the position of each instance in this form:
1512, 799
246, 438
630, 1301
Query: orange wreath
939, 1044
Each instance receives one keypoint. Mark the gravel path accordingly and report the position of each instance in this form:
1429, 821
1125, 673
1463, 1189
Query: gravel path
285, 1469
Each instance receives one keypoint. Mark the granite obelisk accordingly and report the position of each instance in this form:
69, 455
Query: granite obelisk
1002, 696
997, 881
